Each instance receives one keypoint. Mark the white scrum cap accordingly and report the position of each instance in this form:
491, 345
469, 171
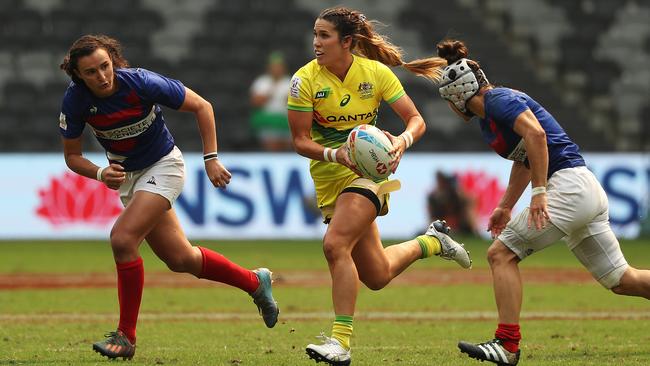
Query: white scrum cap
459, 83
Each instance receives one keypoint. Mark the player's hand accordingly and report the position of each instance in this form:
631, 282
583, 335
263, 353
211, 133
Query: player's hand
538, 214
113, 176
343, 158
217, 173
399, 146
498, 220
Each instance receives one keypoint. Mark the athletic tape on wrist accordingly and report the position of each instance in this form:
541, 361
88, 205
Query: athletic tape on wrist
330, 154
538, 190
408, 138
99, 174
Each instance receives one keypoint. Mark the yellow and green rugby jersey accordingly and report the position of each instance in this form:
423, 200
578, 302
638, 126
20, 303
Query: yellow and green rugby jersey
338, 106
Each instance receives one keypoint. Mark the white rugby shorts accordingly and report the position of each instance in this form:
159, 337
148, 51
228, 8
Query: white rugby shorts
578, 209
165, 177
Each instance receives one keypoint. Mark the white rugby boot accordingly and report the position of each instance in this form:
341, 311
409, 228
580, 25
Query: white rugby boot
449, 248
330, 352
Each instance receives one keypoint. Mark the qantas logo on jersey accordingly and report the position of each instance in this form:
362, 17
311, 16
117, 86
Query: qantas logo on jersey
352, 117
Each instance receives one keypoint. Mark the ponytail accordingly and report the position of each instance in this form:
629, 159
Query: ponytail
367, 42
453, 50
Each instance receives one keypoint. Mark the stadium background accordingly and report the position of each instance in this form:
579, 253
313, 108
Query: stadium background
587, 61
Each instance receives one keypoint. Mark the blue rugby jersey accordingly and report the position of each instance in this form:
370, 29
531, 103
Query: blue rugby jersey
129, 124
502, 107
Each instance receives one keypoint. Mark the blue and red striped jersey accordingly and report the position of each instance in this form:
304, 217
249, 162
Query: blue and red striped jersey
129, 124
502, 107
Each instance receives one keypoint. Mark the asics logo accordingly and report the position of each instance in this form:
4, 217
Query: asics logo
345, 100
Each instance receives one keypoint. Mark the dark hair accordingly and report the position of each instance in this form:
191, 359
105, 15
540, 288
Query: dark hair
370, 44
88, 44
453, 50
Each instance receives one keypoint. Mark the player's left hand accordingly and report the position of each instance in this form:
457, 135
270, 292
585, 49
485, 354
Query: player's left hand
399, 146
498, 221
343, 158
538, 214
217, 173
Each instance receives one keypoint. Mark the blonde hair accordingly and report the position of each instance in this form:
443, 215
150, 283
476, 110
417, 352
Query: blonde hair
368, 43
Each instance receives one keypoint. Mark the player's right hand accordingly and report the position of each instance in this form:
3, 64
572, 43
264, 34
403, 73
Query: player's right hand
113, 176
498, 220
538, 212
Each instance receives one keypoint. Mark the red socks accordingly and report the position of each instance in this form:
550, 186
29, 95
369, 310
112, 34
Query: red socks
130, 281
218, 268
509, 335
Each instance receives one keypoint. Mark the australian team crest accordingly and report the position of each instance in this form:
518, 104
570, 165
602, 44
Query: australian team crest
365, 90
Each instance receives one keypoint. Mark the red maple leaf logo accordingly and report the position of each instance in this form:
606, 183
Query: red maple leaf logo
484, 190
73, 198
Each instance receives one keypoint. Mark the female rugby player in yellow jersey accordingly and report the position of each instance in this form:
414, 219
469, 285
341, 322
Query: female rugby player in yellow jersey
340, 89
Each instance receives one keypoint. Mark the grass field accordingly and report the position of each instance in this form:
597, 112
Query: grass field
56, 298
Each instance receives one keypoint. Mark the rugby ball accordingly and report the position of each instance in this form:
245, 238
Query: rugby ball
368, 148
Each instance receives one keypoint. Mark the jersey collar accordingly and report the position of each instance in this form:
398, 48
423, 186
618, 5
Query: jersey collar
348, 76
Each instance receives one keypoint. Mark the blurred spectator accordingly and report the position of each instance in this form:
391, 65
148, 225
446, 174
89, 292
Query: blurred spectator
269, 100
447, 202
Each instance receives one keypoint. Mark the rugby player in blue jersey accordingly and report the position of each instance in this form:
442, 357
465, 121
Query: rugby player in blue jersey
122, 107
567, 201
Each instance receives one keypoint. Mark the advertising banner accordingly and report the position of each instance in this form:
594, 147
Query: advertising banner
271, 196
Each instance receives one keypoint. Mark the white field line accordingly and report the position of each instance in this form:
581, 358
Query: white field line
431, 316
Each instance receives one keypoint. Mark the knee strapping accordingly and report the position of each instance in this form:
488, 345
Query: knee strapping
613, 278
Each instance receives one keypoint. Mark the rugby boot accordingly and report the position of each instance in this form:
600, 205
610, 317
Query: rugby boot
449, 248
263, 297
115, 345
492, 351
330, 352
